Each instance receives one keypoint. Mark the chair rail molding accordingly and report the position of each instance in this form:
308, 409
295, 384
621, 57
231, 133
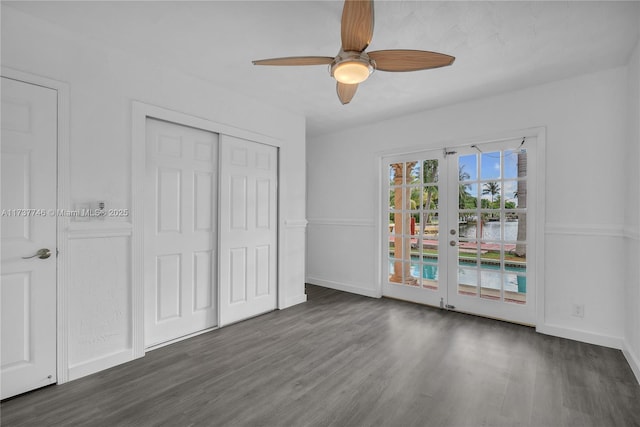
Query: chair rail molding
343, 222
632, 232
96, 230
295, 223
588, 230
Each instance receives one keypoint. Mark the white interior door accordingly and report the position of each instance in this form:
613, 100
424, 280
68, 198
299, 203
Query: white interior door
461, 229
28, 286
248, 229
180, 231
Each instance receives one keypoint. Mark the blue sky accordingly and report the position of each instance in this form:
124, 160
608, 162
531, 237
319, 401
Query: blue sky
490, 165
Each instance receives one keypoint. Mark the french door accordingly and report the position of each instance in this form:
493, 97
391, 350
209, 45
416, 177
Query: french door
460, 230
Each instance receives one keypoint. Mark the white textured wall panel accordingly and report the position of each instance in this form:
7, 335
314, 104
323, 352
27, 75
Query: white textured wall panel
100, 289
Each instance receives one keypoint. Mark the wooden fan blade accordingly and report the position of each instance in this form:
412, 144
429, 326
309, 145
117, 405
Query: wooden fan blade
296, 60
357, 25
346, 92
409, 60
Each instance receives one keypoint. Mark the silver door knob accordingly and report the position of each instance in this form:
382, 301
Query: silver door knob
43, 253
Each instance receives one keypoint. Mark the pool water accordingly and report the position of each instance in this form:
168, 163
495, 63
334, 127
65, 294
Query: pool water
512, 279
491, 231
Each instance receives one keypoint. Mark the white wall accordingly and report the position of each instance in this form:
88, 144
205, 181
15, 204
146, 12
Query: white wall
585, 120
632, 218
103, 83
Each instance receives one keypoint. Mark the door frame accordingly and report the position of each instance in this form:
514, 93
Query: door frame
140, 112
62, 202
540, 182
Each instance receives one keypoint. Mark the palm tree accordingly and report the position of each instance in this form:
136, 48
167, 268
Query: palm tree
430, 176
492, 188
463, 189
521, 194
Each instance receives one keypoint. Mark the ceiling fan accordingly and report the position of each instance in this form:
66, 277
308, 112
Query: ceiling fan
352, 65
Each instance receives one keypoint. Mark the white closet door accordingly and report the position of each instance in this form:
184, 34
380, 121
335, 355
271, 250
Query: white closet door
28, 286
180, 231
248, 229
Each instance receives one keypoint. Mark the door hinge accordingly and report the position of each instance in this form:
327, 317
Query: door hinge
446, 306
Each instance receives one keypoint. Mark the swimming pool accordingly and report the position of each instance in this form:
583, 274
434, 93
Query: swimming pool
513, 278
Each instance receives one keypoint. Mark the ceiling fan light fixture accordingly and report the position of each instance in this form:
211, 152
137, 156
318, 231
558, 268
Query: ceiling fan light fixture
353, 65
352, 72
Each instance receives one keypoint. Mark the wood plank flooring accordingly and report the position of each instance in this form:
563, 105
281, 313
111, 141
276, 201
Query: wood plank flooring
347, 360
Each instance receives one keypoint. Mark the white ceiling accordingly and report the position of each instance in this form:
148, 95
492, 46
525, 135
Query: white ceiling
499, 46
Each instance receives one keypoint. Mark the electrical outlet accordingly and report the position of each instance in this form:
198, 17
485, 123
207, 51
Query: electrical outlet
577, 310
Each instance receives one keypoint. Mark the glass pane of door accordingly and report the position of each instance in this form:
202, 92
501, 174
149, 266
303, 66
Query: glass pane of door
429, 224
404, 180
457, 231
412, 239
492, 226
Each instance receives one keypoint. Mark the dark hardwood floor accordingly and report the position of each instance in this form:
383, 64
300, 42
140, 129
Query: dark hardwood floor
346, 360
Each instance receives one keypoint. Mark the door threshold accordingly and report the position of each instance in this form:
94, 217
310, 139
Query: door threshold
413, 302
530, 325
182, 338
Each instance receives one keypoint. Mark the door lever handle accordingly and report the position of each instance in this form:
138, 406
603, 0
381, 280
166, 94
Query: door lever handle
43, 253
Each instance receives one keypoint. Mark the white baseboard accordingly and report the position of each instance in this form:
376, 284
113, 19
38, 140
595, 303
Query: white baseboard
99, 364
342, 287
579, 335
290, 302
632, 359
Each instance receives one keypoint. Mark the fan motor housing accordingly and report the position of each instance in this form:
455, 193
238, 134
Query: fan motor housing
351, 67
